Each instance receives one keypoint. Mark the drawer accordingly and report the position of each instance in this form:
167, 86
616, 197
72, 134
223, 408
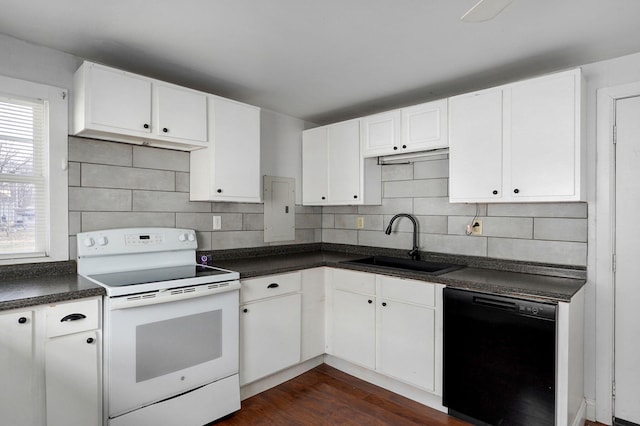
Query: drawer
411, 291
73, 317
269, 286
354, 281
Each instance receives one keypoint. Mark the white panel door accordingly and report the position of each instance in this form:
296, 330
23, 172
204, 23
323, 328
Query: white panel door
118, 99
17, 392
73, 387
315, 186
542, 137
475, 147
237, 151
344, 163
269, 336
406, 343
381, 134
353, 328
627, 249
180, 113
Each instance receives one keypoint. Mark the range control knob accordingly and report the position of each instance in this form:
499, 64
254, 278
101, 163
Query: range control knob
103, 241
182, 237
191, 237
88, 242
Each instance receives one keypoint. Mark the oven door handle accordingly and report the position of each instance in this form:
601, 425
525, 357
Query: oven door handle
73, 317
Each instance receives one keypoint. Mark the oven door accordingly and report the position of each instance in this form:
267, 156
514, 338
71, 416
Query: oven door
160, 350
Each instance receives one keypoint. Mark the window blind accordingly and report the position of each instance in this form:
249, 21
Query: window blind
23, 178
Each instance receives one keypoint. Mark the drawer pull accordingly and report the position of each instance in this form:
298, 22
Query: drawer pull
73, 317
273, 285
22, 320
90, 340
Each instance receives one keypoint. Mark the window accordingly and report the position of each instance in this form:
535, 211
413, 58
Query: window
33, 176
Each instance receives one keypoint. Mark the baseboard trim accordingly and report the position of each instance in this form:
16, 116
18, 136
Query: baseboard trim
581, 415
423, 397
591, 409
254, 388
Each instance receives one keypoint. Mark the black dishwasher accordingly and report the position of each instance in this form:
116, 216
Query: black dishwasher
499, 359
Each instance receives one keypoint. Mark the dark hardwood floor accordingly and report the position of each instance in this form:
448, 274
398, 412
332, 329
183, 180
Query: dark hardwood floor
326, 396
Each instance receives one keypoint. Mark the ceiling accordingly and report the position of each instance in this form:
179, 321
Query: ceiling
328, 60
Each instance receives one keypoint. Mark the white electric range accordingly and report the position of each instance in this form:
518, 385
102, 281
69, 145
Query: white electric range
171, 330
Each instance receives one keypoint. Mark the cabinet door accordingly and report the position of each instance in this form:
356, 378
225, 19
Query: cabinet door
237, 175
381, 134
406, 343
424, 127
180, 113
73, 385
269, 336
118, 100
314, 166
542, 137
353, 328
17, 394
344, 163
475, 147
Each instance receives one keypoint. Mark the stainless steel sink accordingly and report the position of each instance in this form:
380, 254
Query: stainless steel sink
397, 263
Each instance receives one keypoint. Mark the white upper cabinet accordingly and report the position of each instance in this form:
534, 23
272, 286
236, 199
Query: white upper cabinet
333, 171
180, 113
521, 142
424, 126
125, 107
381, 134
229, 169
417, 128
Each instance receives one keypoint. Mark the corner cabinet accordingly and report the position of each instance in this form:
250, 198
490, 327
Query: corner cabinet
229, 168
125, 107
416, 128
522, 142
334, 172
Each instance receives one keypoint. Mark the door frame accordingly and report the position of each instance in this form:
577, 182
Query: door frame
605, 244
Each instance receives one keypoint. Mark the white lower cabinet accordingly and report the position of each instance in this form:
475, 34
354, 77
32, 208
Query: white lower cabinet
387, 324
17, 367
73, 363
50, 363
270, 324
73, 379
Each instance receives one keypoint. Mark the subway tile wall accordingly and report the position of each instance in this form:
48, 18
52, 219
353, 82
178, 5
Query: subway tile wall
553, 233
115, 185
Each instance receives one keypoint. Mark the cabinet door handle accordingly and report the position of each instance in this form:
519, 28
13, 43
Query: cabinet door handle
384, 303
73, 317
219, 191
370, 301
273, 285
355, 196
165, 130
515, 191
245, 310
404, 146
495, 192
22, 320
90, 340
395, 148
145, 125
324, 198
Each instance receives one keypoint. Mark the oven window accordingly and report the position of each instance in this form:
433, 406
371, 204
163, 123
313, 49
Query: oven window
168, 346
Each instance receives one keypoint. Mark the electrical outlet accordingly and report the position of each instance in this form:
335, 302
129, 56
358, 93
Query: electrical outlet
476, 227
360, 224
217, 222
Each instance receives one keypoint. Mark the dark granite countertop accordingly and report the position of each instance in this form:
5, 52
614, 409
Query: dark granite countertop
543, 282
29, 285
40, 290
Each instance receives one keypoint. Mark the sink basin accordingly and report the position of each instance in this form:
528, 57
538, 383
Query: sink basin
430, 268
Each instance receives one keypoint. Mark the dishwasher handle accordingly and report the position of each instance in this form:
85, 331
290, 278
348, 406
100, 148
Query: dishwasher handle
494, 303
